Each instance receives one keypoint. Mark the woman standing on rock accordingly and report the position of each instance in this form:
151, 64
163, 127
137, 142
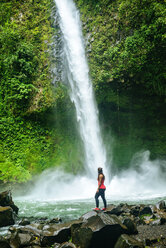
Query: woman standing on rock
100, 190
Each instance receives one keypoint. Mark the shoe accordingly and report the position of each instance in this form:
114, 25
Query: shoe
103, 209
96, 209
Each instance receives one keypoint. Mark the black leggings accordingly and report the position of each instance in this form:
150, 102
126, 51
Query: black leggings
102, 194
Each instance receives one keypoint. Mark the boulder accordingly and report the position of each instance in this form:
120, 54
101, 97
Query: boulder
116, 211
24, 236
24, 239
88, 215
126, 241
58, 233
131, 226
6, 216
135, 210
6, 200
146, 210
98, 230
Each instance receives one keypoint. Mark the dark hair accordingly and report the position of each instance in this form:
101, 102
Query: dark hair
100, 171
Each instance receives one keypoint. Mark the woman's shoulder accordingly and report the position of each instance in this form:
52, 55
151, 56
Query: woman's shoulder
101, 175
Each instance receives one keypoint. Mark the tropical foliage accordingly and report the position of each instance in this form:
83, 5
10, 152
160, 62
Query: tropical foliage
125, 43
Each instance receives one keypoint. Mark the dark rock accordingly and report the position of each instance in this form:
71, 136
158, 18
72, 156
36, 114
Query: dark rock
4, 243
146, 210
126, 241
116, 211
57, 233
24, 236
24, 222
131, 226
162, 221
6, 200
150, 241
135, 211
55, 220
98, 230
6, 216
59, 236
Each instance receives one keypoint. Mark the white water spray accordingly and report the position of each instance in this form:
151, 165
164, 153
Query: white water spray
144, 180
81, 94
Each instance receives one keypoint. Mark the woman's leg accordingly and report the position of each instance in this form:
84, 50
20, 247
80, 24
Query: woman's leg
96, 199
102, 193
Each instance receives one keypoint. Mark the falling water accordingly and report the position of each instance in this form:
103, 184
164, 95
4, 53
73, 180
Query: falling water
81, 92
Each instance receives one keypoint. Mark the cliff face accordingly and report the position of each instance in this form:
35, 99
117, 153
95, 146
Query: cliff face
125, 44
126, 50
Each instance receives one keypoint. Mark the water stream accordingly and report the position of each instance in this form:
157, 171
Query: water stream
81, 92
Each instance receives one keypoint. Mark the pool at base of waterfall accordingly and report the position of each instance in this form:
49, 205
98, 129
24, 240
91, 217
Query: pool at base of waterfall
69, 210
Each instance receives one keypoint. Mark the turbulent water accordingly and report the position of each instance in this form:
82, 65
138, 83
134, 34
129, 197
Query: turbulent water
81, 92
57, 194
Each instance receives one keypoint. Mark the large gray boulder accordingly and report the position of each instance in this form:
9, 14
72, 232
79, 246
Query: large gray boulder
6, 216
98, 230
24, 236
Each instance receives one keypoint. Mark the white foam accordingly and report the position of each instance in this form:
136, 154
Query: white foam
145, 179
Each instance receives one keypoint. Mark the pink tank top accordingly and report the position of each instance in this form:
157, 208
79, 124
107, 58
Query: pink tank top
102, 186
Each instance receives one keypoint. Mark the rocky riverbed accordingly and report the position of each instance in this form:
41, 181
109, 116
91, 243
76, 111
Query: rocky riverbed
119, 226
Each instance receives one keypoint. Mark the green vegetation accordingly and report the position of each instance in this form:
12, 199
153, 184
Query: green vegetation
126, 53
126, 50
35, 129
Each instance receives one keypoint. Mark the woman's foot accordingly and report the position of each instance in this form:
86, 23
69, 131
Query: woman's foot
98, 209
103, 209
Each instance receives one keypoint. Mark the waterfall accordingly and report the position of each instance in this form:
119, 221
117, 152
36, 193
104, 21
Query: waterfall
81, 92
